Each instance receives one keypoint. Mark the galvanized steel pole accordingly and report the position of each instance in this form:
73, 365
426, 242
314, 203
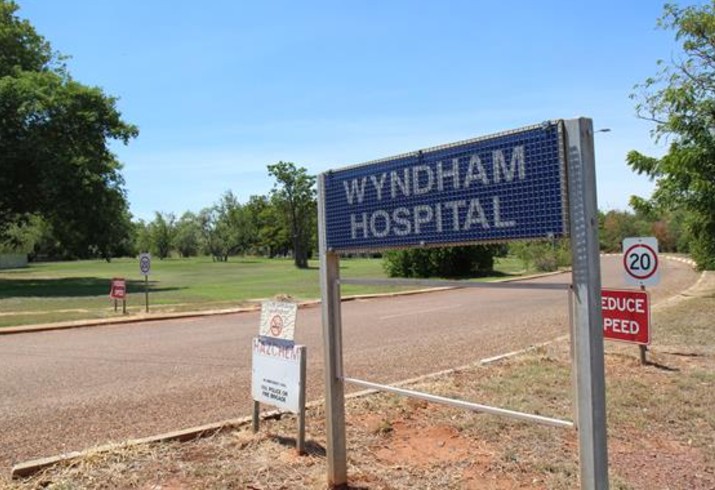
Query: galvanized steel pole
587, 326
333, 350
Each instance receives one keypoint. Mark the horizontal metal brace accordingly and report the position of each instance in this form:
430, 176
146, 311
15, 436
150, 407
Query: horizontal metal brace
462, 404
440, 283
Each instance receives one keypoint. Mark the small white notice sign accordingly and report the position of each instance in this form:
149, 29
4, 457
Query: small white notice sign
276, 376
278, 320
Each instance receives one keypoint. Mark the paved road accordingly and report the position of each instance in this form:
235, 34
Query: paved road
71, 389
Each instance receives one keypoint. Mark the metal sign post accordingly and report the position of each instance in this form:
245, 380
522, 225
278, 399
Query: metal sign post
535, 182
587, 323
332, 348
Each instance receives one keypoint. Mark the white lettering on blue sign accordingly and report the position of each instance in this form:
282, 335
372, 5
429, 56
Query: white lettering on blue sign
421, 180
481, 190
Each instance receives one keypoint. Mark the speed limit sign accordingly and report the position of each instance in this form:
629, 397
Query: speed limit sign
640, 260
145, 264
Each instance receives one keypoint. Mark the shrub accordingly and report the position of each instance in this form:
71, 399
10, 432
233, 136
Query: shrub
466, 261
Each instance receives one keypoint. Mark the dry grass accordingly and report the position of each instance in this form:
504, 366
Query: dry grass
661, 430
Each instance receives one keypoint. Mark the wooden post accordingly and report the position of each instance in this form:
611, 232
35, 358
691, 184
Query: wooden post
256, 415
146, 293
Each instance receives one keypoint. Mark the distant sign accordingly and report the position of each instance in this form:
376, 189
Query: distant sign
640, 261
145, 264
278, 320
118, 288
626, 315
496, 188
276, 374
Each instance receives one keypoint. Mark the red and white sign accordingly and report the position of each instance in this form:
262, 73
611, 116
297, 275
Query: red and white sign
278, 320
118, 290
626, 315
640, 261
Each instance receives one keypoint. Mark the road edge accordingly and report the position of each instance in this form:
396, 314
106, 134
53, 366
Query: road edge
44, 327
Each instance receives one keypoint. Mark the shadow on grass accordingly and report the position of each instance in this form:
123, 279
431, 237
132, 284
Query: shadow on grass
662, 366
311, 447
69, 287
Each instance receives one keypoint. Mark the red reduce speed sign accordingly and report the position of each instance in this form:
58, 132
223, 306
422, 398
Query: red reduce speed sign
640, 261
626, 315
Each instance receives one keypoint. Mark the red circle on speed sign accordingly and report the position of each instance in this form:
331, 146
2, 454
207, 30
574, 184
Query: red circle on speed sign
640, 261
276, 325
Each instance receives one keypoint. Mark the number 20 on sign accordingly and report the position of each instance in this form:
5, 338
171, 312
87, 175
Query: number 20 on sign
640, 261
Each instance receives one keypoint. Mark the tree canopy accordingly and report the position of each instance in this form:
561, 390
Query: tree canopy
54, 145
680, 101
294, 193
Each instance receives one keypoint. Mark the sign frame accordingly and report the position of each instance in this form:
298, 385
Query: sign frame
587, 327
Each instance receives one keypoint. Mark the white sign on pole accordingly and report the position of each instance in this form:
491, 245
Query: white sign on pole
276, 376
640, 261
278, 320
145, 264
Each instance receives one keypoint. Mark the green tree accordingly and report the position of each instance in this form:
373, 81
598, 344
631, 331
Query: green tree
142, 236
617, 225
54, 146
162, 232
23, 237
294, 195
188, 235
272, 235
226, 228
680, 101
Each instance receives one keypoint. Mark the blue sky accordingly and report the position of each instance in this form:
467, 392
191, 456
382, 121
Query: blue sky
221, 89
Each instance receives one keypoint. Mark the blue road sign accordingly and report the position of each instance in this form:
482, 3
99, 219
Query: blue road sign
496, 188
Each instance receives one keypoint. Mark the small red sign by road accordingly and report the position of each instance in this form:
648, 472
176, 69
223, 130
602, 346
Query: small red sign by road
626, 315
118, 289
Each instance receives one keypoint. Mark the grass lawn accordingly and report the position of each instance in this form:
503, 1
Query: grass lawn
64, 291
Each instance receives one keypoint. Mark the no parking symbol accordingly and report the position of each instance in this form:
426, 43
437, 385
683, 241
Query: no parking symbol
278, 320
276, 325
